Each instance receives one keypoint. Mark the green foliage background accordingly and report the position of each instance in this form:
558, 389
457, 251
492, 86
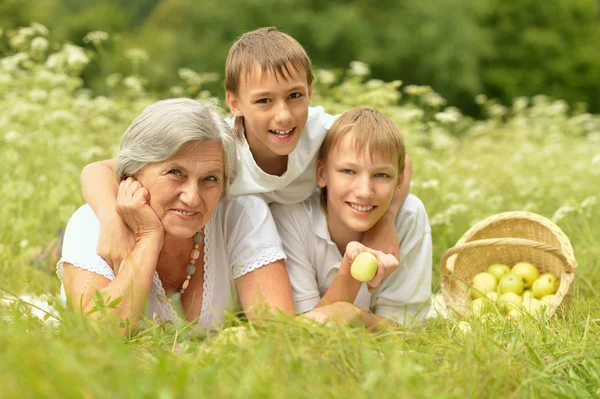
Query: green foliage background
501, 48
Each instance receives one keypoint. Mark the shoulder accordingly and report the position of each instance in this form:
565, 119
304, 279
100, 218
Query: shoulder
84, 218
413, 216
319, 121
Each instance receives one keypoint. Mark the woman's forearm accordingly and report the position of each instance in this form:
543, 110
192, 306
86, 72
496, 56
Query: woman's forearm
132, 283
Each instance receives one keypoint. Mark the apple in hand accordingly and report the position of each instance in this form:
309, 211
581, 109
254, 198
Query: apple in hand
546, 284
498, 270
482, 284
364, 266
528, 272
511, 283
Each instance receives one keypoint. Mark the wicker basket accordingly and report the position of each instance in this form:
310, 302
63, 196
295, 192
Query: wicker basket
508, 238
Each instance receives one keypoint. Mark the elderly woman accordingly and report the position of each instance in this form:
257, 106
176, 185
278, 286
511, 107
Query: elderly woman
194, 250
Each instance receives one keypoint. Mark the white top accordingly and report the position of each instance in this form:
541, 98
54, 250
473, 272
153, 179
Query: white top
240, 237
313, 260
301, 168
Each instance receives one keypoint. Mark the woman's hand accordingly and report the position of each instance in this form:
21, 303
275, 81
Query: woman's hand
133, 205
387, 262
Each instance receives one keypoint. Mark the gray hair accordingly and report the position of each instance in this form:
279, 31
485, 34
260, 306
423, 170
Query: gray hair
164, 127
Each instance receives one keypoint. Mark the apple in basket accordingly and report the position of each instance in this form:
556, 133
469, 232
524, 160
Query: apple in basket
498, 270
528, 272
546, 284
511, 283
483, 283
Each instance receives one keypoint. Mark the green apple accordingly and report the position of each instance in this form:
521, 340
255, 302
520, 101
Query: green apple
546, 284
477, 307
483, 283
511, 283
509, 300
492, 296
514, 314
534, 307
527, 295
498, 270
528, 272
464, 327
364, 266
548, 299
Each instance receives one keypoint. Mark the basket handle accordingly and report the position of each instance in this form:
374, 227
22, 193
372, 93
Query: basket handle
496, 242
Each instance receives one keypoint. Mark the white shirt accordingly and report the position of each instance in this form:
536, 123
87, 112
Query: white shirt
240, 237
313, 260
299, 181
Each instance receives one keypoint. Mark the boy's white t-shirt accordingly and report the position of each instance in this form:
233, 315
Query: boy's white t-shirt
299, 181
313, 260
240, 237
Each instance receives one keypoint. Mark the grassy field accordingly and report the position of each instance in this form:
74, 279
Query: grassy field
535, 154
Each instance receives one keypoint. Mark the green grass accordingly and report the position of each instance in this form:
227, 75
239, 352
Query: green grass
534, 155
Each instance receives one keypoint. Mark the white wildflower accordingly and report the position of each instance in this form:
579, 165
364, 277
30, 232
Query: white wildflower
446, 117
481, 99
559, 107
39, 45
12, 62
520, 103
113, 80
439, 219
325, 76
589, 202
497, 110
137, 55
39, 29
11, 136
359, 68
562, 212
374, 84
596, 160
418, 91
76, 57
413, 114
18, 42
38, 95
24, 243
42, 178
96, 37
434, 100
134, 84
177, 91
456, 209
433, 183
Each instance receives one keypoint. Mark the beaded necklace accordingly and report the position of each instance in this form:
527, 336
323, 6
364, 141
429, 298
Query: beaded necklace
190, 269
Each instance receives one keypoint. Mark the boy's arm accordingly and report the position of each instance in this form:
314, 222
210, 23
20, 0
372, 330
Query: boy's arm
383, 236
99, 189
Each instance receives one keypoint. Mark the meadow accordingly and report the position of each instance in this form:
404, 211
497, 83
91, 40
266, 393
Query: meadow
535, 154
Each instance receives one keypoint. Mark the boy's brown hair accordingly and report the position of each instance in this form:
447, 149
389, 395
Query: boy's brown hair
371, 131
273, 50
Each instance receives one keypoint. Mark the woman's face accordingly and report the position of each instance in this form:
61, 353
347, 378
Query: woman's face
185, 190
360, 186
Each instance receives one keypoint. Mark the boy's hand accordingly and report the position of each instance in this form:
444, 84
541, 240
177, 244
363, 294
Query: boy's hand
133, 204
340, 314
116, 241
388, 263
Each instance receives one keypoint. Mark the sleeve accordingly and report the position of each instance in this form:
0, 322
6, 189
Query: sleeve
294, 229
252, 238
405, 295
79, 244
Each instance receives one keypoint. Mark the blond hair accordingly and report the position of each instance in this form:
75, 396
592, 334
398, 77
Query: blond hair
273, 50
371, 131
